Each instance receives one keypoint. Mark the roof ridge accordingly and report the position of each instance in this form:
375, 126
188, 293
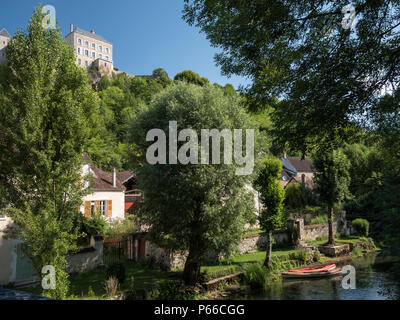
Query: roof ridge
5, 33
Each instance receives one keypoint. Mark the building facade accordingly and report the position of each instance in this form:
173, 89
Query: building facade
107, 196
91, 50
4, 39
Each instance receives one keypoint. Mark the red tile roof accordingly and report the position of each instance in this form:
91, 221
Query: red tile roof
102, 181
124, 175
300, 164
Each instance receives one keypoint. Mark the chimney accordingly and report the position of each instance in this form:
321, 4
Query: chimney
284, 155
92, 31
71, 28
114, 178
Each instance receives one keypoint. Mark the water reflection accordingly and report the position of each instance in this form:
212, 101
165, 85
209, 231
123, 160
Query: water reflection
373, 282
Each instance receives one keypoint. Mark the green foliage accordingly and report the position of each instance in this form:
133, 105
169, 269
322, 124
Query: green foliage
191, 214
173, 290
271, 195
123, 228
255, 275
47, 109
117, 270
321, 219
361, 226
297, 196
357, 252
91, 293
189, 76
317, 256
302, 255
332, 176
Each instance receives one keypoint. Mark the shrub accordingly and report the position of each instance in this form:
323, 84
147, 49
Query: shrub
174, 290
117, 270
91, 293
255, 275
322, 219
302, 255
357, 251
297, 196
317, 256
111, 286
361, 226
123, 228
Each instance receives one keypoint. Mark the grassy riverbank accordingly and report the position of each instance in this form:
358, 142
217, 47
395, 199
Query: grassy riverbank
145, 278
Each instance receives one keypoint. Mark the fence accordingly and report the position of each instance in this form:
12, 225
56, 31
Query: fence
117, 250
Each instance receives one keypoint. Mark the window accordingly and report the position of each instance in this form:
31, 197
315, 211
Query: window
105, 64
87, 43
107, 50
100, 56
80, 41
86, 63
100, 48
93, 55
79, 61
107, 58
93, 208
87, 53
79, 50
103, 208
93, 46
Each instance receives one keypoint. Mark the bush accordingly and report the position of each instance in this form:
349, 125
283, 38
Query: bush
123, 228
297, 196
111, 286
255, 275
116, 270
302, 255
361, 226
174, 290
322, 219
317, 256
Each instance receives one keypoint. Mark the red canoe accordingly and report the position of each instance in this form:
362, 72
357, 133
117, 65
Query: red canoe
316, 272
315, 269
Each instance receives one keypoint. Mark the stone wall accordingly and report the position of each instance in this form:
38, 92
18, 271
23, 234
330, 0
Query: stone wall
253, 242
87, 258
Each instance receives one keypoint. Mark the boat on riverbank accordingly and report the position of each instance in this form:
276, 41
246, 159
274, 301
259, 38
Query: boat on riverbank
315, 272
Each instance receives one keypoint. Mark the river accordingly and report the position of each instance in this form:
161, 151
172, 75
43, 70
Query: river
373, 282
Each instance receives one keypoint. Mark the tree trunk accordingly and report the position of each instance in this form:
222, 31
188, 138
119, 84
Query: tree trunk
191, 271
267, 262
331, 240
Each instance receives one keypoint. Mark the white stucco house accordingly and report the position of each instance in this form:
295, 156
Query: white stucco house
107, 195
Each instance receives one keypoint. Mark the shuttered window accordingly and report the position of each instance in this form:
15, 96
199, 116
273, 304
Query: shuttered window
109, 208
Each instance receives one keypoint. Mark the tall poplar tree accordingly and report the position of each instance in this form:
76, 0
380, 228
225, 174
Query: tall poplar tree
45, 109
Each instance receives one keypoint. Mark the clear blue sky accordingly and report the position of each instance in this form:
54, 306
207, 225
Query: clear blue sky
146, 34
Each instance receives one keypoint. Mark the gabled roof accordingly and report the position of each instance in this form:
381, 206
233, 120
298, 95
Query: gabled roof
101, 181
288, 167
5, 33
91, 35
124, 176
301, 165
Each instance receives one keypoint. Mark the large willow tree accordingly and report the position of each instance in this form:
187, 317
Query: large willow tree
45, 107
198, 208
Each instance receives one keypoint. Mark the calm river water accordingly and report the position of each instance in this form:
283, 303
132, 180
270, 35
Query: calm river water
373, 282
